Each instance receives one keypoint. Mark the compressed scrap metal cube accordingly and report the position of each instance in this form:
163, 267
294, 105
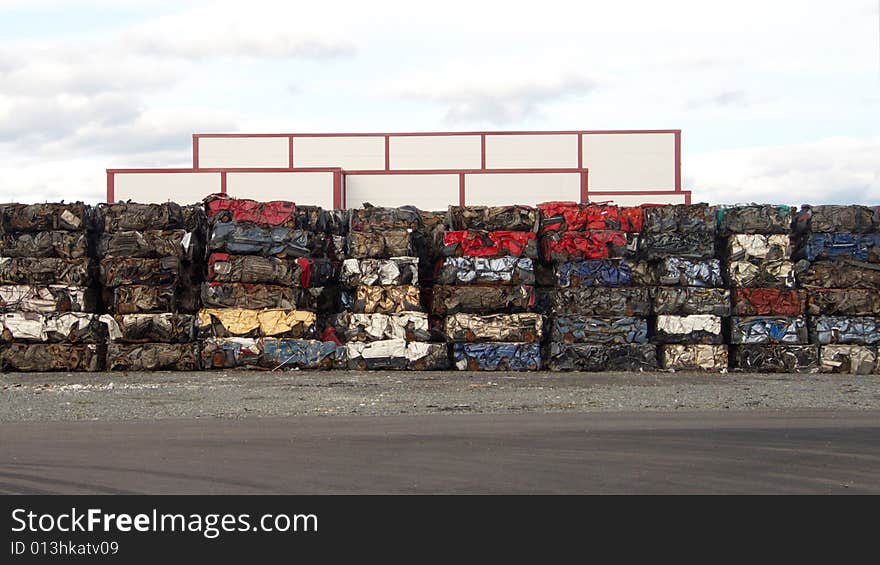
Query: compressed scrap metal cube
427, 241
779, 274
69, 327
597, 244
768, 302
42, 357
850, 330
397, 354
318, 220
688, 272
254, 269
47, 299
378, 219
17, 218
776, 358
830, 246
522, 327
688, 300
843, 302
59, 244
594, 272
768, 329
45, 270
851, 359
281, 353
278, 213
757, 248
599, 301
118, 271
141, 299
598, 331
131, 216
258, 296
449, 299
411, 326
396, 270
492, 218
387, 299
693, 357
475, 270
380, 245
231, 352
696, 328
682, 218
591, 357
152, 356
165, 327
248, 239
240, 322
557, 217
755, 219
152, 244
835, 218
692, 245
837, 274
472, 243
496, 356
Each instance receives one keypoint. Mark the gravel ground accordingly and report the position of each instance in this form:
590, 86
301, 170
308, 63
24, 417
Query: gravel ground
240, 394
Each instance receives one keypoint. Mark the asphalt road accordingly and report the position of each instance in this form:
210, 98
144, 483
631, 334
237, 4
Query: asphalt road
796, 451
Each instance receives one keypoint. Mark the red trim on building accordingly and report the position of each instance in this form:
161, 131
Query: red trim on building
637, 192
438, 133
223, 182
111, 186
229, 170
678, 160
461, 189
195, 151
290, 151
585, 196
456, 171
580, 151
387, 152
482, 152
337, 190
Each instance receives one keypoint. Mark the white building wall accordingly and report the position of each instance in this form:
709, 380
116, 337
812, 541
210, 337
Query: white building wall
630, 161
635, 200
183, 188
307, 188
435, 152
358, 153
425, 191
531, 151
498, 189
244, 152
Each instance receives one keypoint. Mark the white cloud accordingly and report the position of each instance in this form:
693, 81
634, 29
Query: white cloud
835, 170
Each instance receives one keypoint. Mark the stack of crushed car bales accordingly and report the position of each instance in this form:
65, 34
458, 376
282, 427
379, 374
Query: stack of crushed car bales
272, 269
384, 325
600, 305
690, 302
485, 288
768, 330
151, 258
838, 252
48, 298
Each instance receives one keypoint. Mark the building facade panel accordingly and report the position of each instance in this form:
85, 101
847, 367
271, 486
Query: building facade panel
529, 151
636, 161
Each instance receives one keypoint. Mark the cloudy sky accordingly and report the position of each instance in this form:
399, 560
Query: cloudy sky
779, 101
